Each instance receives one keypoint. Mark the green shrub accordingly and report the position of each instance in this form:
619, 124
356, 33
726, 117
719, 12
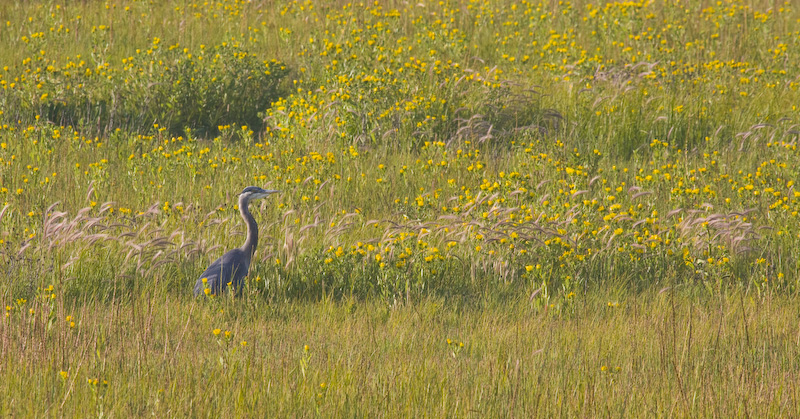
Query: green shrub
171, 88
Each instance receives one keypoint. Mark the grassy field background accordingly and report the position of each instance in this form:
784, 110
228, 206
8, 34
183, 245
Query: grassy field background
488, 208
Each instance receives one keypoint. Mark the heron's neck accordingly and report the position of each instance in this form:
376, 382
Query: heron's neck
251, 242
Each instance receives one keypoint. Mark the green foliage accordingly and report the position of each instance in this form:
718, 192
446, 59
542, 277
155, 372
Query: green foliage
170, 87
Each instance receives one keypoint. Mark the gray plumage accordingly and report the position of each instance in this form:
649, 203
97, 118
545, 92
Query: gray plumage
234, 265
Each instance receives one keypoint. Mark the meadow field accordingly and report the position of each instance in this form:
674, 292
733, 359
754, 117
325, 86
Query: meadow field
488, 208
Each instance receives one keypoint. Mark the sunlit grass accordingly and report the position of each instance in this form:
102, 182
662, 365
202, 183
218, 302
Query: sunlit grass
633, 355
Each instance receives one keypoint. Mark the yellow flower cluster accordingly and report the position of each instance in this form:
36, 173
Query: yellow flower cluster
522, 140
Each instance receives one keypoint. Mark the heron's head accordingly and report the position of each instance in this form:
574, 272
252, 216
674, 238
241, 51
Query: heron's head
254, 192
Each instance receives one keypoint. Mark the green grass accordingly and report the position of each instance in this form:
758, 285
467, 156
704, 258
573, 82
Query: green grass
648, 354
598, 200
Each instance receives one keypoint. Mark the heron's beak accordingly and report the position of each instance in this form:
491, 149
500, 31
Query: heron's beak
267, 192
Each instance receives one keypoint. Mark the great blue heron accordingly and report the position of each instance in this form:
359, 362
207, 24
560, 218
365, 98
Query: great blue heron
233, 266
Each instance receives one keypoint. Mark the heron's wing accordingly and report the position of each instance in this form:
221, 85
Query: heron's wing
231, 267
211, 275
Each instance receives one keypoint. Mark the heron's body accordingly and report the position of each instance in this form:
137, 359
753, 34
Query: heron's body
231, 268
234, 265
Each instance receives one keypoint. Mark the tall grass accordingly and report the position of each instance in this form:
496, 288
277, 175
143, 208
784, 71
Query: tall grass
673, 353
